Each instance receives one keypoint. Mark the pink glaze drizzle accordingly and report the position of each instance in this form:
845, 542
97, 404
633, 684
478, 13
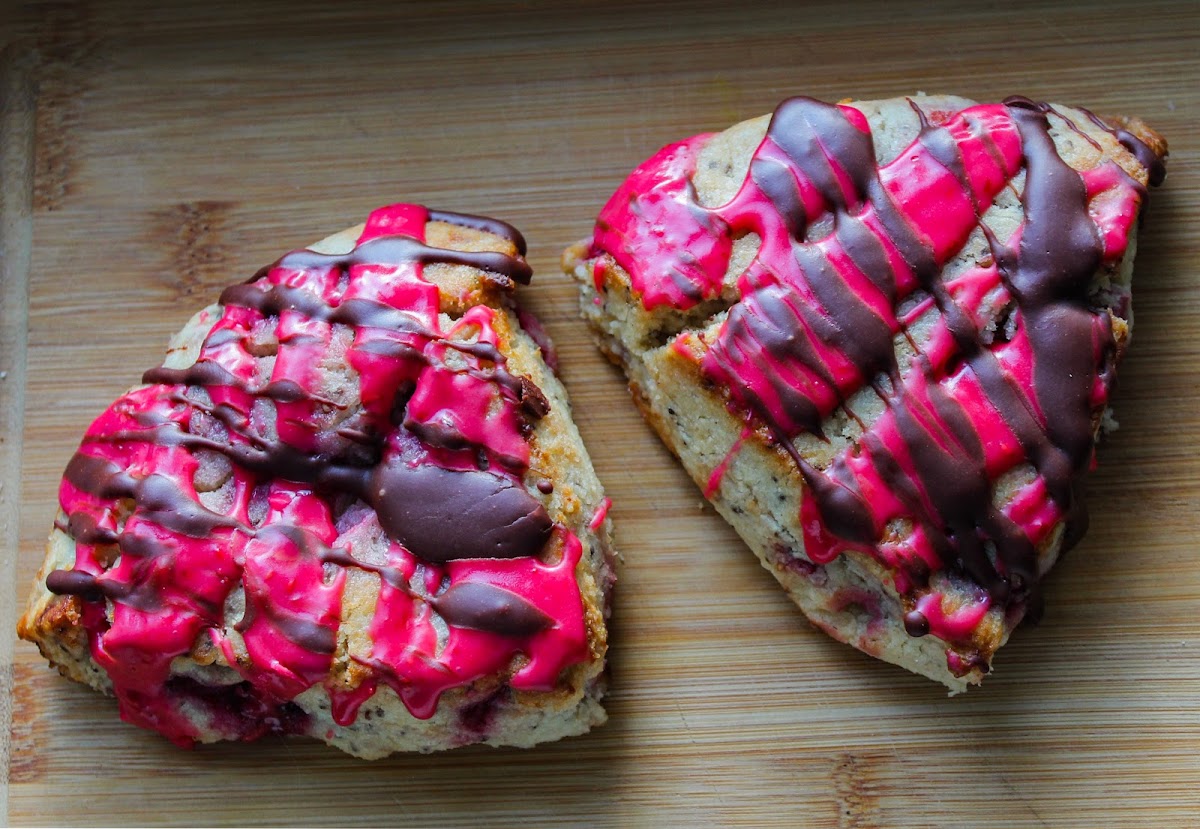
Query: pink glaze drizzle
817, 316
718, 473
600, 514
468, 543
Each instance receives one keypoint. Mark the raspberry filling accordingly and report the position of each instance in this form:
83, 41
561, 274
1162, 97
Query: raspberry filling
333, 423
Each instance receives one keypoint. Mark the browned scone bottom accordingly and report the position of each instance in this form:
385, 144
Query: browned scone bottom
881, 336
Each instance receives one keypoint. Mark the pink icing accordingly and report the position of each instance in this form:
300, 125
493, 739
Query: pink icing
407, 656
956, 625
600, 515
718, 473
791, 352
181, 561
660, 225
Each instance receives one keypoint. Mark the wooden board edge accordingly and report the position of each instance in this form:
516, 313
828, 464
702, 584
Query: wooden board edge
18, 62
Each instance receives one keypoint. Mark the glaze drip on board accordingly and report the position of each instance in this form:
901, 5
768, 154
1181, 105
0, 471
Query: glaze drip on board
424, 458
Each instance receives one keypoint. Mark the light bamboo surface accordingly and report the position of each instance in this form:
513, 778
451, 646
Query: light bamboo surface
151, 156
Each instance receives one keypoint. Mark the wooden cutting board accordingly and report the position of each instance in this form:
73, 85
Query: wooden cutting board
152, 155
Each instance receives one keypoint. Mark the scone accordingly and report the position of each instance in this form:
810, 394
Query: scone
351, 504
881, 337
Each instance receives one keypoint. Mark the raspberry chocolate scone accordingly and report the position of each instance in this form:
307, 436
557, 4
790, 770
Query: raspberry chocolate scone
881, 337
351, 504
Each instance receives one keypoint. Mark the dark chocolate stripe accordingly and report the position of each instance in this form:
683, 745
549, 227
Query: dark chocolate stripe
816, 135
866, 251
482, 606
84, 528
206, 372
271, 300
1048, 278
400, 250
483, 223
772, 323
75, 583
161, 499
942, 146
1156, 168
475, 514
1058, 256
443, 514
855, 329
777, 183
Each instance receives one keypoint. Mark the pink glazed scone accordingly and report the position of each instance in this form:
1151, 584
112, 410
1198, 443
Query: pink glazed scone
351, 504
881, 337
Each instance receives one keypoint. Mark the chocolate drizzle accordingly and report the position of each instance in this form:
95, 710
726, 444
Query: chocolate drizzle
75, 583
232, 482
1048, 276
486, 607
1154, 164
818, 314
442, 515
400, 250
483, 223
160, 499
438, 514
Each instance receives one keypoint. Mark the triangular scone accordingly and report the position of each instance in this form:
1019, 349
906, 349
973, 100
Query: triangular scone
881, 337
351, 504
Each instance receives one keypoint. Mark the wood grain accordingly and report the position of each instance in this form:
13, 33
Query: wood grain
16, 225
179, 147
